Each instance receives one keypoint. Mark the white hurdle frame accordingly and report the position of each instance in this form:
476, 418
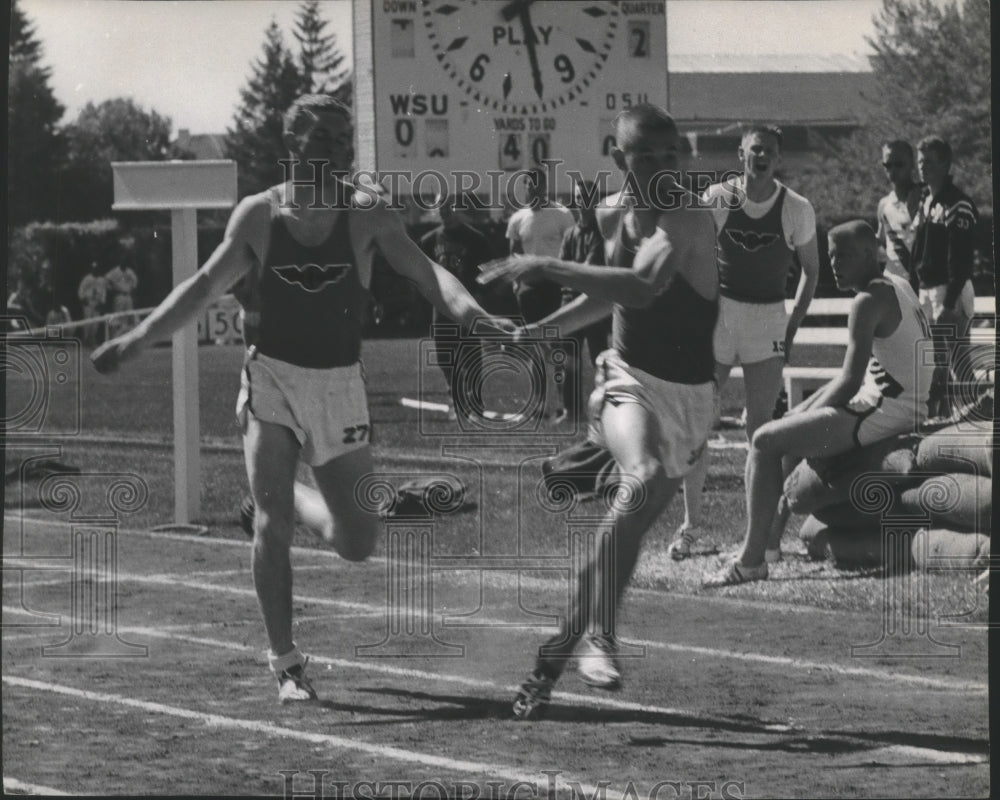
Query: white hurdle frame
180, 187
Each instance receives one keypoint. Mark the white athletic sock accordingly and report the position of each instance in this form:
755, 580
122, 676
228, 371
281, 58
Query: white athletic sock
293, 658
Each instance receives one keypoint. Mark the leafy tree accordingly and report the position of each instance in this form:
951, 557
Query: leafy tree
931, 66
115, 130
35, 147
255, 140
320, 61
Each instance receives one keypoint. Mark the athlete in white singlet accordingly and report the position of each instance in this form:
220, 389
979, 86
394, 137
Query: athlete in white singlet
880, 392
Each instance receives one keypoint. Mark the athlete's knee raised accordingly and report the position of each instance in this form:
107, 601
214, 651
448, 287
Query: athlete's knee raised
354, 548
767, 438
650, 475
355, 540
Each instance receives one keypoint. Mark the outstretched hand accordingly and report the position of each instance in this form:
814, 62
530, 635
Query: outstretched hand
510, 269
112, 353
491, 325
527, 332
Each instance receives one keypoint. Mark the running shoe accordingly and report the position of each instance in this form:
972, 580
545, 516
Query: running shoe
735, 573
597, 663
294, 686
533, 697
680, 547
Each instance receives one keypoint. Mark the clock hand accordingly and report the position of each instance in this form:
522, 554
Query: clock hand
529, 41
514, 8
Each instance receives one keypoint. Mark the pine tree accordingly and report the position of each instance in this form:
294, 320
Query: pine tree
35, 147
255, 141
322, 64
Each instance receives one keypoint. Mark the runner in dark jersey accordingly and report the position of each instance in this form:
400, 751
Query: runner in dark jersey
310, 243
654, 403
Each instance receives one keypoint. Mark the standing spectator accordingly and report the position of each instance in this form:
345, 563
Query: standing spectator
943, 255
93, 293
538, 230
897, 209
459, 248
583, 244
763, 228
23, 306
122, 282
56, 314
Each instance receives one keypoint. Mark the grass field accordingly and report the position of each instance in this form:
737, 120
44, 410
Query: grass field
754, 689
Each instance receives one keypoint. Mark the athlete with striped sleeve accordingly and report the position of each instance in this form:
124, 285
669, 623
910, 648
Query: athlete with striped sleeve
943, 252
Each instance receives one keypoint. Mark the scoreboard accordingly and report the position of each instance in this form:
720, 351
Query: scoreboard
494, 87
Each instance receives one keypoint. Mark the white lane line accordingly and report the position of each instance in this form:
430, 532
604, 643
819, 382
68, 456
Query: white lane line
10, 634
14, 785
323, 552
759, 658
809, 666
460, 766
204, 586
15, 562
586, 700
687, 649
376, 666
443, 408
373, 665
923, 753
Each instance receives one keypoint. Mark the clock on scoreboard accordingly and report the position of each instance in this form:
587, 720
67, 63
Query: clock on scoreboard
500, 86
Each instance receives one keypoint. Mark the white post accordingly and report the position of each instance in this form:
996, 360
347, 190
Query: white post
187, 427
180, 187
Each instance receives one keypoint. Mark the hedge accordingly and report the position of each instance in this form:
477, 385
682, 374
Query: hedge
144, 245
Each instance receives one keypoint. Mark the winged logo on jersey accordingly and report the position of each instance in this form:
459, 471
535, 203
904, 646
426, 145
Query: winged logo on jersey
312, 277
752, 241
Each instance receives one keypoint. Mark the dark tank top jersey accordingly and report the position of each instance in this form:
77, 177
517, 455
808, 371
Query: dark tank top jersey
312, 302
754, 259
671, 338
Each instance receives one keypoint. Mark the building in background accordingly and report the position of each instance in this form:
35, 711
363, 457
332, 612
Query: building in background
809, 97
